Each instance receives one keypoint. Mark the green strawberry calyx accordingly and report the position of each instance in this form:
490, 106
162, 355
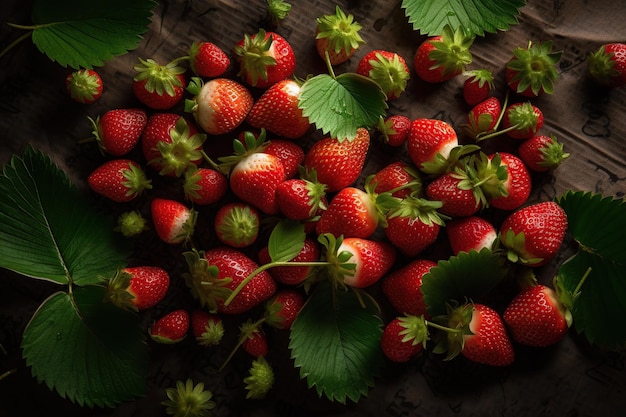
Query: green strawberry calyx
117, 291
390, 74
251, 144
203, 282
161, 79
181, 152
601, 66
260, 379
490, 175
240, 225
135, 180
535, 67
188, 399
452, 52
85, 85
131, 223
254, 56
341, 30
552, 154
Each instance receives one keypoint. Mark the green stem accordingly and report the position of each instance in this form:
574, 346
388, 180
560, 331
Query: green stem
440, 327
240, 342
15, 42
582, 280
7, 373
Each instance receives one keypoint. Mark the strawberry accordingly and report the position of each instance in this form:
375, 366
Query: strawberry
277, 111
372, 259
402, 287
532, 235
388, 69
294, 275
458, 191
159, 87
291, 155
414, 225
207, 328
470, 233
394, 129
442, 57
171, 145
120, 180
84, 85
170, 328
337, 35
330, 156
254, 340
283, 308
138, 287
532, 71
118, 130
505, 180
301, 199
208, 60
606, 66
399, 178
542, 153
219, 105
204, 186
522, 120
403, 338
173, 221
264, 59
236, 224
478, 86
483, 118
254, 174
536, 317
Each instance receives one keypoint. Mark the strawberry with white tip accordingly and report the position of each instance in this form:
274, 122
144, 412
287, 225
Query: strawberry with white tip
173, 221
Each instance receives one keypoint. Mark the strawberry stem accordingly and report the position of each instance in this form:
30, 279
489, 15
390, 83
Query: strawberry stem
18, 40
244, 335
495, 132
7, 373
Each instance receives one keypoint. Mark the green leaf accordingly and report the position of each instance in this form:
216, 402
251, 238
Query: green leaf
92, 353
467, 276
335, 342
597, 224
48, 231
339, 106
474, 16
286, 240
85, 34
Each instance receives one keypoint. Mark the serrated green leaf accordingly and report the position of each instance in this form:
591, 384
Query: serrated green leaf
92, 353
466, 276
597, 223
286, 240
336, 344
48, 231
339, 106
475, 16
85, 34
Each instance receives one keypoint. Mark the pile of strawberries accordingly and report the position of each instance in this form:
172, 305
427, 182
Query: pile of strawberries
441, 189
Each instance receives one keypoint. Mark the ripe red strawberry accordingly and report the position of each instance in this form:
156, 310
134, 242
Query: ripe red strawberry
607, 65
173, 221
283, 308
352, 212
84, 85
301, 199
532, 71
159, 87
171, 145
414, 225
394, 129
458, 191
515, 189
470, 233
338, 36
398, 177
204, 186
522, 120
532, 235
403, 338
120, 180
277, 111
219, 105
208, 60
118, 131
330, 156
236, 224
294, 275
207, 328
233, 267
542, 153
373, 259
536, 317
388, 69
290, 154
170, 328
254, 340
402, 287
478, 86
138, 287
442, 57
483, 118
264, 59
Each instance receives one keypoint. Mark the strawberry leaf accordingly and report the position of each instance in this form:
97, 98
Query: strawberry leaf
474, 16
601, 247
78, 345
286, 241
467, 276
335, 342
338, 106
79, 34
